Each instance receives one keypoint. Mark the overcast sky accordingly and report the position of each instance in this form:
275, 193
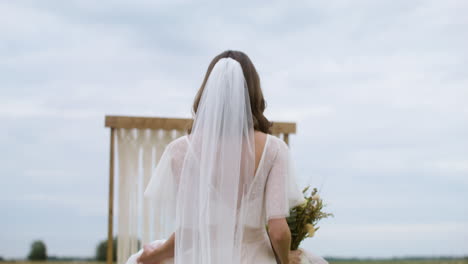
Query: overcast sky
379, 90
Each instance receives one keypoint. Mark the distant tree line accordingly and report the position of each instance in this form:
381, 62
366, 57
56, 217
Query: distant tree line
38, 252
101, 250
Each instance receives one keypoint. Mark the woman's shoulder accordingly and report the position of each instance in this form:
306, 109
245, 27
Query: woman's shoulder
277, 143
178, 144
275, 150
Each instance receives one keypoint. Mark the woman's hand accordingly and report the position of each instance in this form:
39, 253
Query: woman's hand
295, 256
151, 255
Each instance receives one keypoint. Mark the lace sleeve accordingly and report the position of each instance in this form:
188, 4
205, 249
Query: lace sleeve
281, 191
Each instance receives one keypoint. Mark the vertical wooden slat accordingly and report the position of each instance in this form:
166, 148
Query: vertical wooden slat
110, 240
286, 138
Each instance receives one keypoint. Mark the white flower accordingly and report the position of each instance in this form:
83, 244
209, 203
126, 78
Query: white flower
315, 197
310, 230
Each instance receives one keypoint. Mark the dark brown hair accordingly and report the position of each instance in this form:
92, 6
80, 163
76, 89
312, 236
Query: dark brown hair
257, 102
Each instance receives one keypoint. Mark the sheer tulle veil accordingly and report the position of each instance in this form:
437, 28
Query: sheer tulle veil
203, 185
218, 169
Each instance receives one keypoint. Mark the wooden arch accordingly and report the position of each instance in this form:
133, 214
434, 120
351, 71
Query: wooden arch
281, 129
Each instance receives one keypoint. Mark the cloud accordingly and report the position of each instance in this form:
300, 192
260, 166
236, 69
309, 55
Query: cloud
378, 90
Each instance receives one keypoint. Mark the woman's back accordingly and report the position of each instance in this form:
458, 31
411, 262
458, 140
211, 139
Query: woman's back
225, 180
268, 192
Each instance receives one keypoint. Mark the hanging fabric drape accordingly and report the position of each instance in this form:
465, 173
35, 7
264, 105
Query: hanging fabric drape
138, 152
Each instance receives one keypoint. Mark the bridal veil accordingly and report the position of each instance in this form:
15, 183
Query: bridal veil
205, 203
213, 188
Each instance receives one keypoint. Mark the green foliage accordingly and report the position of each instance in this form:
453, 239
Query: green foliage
304, 217
101, 250
38, 251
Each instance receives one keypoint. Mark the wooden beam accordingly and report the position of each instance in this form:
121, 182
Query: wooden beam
283, 128
177, 124
286, 139
110, 232
147, 122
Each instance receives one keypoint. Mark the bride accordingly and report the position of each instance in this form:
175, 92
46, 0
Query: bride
217, 188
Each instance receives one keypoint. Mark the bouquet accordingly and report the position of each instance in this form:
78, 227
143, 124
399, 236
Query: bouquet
303, 218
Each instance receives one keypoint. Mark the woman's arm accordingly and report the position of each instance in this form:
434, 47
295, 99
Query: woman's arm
157, 255
280, 237
167, 249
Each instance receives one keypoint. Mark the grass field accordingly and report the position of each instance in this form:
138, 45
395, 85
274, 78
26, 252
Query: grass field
389, 261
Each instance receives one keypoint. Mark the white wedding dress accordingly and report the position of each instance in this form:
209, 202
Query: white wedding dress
205, 188
274, 192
